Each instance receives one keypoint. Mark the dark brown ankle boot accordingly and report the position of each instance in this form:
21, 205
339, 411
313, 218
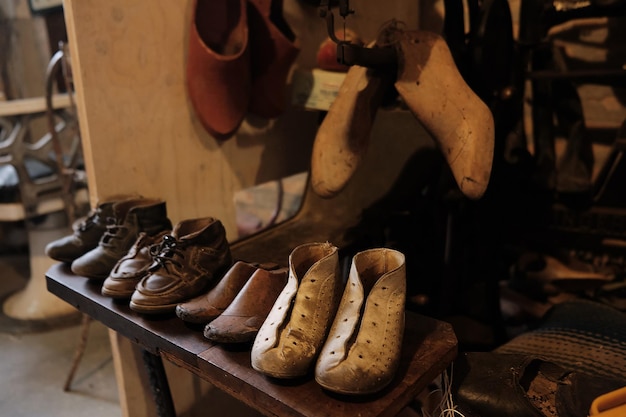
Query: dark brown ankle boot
192, 259
131, 217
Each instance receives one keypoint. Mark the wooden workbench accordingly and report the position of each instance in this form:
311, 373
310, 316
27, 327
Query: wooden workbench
429, 346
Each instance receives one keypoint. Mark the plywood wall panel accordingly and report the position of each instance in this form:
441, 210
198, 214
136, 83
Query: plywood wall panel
139, 131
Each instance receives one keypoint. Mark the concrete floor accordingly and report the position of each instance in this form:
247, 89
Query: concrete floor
37, 356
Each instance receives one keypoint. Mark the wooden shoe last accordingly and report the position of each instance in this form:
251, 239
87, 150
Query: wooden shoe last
459, 121
241, 320
208, 306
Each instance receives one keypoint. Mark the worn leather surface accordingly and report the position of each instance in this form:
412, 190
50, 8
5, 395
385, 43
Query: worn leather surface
130, 217
362, 351
241, 320
85, 237
208, 306
289, 340
190, 261
132, 267
489, 384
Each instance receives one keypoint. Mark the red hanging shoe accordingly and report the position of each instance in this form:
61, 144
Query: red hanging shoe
218, 65
274, 48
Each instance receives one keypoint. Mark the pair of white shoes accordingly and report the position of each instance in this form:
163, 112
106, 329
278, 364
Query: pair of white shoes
351, 330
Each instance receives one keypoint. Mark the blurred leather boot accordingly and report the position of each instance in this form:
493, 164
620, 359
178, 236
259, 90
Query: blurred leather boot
460, 123
192, 259
133, 266
362, 351
86, 234
240, 322
206, 307
218, 65
131, 217
490, 384
291, 336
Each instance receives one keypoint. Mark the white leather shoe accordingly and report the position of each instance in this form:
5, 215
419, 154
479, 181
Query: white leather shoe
291, 336
362, 350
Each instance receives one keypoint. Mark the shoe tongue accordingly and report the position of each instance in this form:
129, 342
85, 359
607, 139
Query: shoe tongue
190, 229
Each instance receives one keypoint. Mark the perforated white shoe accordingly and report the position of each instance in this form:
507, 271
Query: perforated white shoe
362, 350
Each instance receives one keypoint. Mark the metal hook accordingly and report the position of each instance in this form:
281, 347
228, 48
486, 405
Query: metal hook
351, 54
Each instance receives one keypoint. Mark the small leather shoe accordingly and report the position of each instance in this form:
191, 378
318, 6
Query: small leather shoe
289, 340
133, 266
240, 322
191, 259
362, 351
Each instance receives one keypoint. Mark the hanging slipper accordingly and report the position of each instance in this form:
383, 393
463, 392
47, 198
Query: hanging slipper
218, 65
274, 48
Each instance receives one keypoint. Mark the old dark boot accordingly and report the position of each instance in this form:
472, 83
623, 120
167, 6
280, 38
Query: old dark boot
133, 266
191, 260
131, 217
87, 232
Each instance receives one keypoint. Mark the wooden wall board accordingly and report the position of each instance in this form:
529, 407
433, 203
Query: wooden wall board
139, 131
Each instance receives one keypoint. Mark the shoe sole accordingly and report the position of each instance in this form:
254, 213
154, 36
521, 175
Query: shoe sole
116, 294
147, 309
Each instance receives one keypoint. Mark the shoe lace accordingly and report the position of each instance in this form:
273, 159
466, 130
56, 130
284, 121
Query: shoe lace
167, 252
88, 222
113, 231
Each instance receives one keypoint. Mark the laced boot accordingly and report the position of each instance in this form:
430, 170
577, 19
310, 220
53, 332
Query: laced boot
133, 266
131, 217
191, 259
87, 232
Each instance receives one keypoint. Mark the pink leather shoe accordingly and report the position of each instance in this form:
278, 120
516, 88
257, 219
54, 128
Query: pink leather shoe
274, 48
218, 65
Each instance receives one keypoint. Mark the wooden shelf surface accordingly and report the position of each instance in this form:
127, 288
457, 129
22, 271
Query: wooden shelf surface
429, 346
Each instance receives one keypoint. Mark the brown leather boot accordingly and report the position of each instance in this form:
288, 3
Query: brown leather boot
192, 258
86, 233
129, 270
131, 217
